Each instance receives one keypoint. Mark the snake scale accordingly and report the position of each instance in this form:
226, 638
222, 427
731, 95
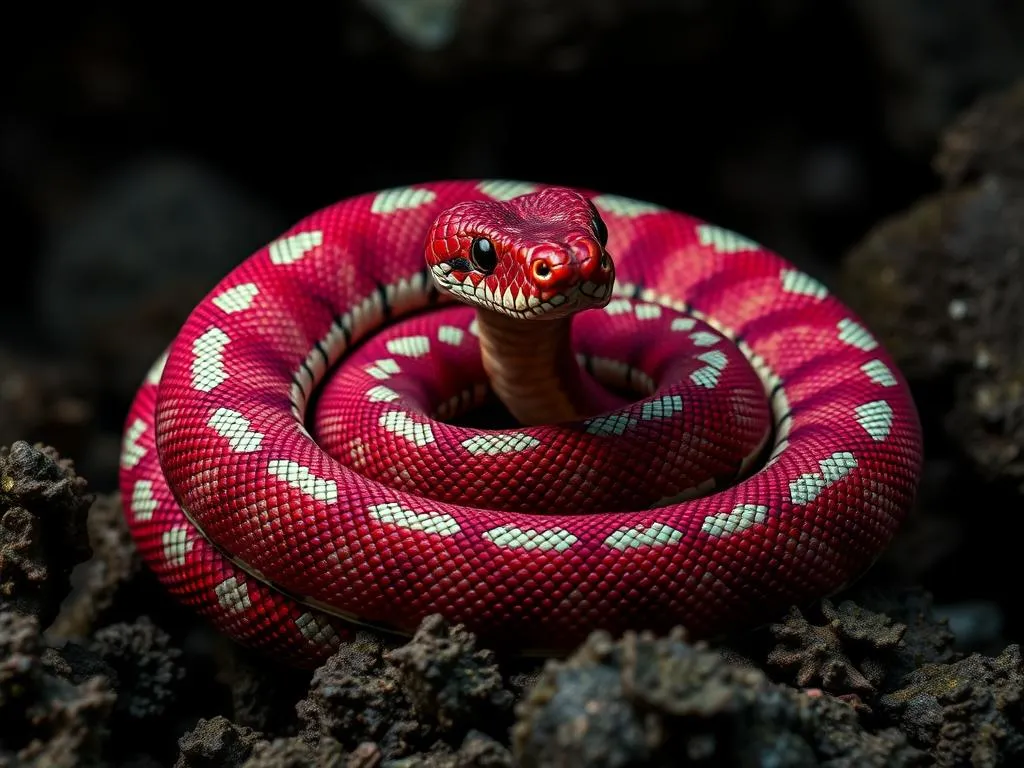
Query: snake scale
698, 433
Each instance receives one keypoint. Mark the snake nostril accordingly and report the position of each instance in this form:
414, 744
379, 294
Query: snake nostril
541, 269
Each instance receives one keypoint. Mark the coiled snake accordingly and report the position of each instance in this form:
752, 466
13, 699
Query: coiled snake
700, 435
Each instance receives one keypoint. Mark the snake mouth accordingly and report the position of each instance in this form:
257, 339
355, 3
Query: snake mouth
519, 306
596, 291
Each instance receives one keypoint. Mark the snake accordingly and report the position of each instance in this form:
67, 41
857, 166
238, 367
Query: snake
535, 410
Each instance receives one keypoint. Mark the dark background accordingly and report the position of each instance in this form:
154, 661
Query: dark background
146, 149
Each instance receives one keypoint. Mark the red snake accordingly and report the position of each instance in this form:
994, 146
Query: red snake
700, 434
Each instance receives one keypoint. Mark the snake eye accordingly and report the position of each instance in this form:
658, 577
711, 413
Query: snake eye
483, 255
600, 230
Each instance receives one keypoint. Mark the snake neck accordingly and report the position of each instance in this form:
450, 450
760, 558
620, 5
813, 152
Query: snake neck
532, 367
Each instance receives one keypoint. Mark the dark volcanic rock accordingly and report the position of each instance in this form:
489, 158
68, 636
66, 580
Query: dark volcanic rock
43, 510
663, 701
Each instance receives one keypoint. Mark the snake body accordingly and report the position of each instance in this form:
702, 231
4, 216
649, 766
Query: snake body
292, 467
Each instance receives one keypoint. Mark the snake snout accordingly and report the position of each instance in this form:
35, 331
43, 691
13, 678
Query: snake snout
594, 263
552, 269
560, 268
595, 271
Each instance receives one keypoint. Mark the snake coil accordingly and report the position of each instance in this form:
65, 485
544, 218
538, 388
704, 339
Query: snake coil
287, 522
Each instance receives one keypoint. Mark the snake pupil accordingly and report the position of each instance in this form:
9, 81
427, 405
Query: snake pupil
484, 257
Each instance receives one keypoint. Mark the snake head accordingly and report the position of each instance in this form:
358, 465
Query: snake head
540, 255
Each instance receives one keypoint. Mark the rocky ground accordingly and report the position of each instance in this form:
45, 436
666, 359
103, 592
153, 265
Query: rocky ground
901, 185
